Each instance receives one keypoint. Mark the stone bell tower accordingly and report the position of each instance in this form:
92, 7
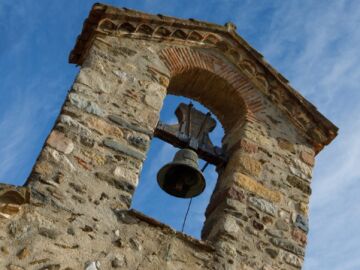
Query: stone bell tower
73, 212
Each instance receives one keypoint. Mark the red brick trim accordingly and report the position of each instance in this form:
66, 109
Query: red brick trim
180, 59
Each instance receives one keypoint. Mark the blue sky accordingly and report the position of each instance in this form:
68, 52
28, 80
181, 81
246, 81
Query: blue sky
315, 44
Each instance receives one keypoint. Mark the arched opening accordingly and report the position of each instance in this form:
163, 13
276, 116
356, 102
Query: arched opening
213, 92
151, 200
208, 89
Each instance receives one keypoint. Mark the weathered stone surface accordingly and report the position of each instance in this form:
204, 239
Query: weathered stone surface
85, 104
14, 267
126, 51
230, 226
307, 157
267, 267
23, 253
59, 141
282, 225
51, 267
94, 81
275, 233
126, 173
299, 184
239, 209
287, 245
236, 194
154, 101
257, 225
118, 262
124, 76
286, 145
8, 210
299, 236
240, 162
293, 260
263, 205
118, 120
122, 148
49, 233
92, 265
69, 121
304, 208
285, 215
248, 146
257, 188
272, 252
302, 223
139, 141
103, 127
119, 184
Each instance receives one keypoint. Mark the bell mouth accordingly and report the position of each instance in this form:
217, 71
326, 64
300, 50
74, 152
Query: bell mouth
181, 180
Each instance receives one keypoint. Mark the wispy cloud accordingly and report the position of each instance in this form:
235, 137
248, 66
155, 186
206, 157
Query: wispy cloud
315, 44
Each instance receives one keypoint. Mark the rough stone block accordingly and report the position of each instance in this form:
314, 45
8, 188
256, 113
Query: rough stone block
121, 122
248, 146
299, 236
263, 205
127, 173
293, 260
307, 157
282, 225
14, 267
103, 127
117, 183
299, 184
85, 104
252, 185
139, 140
304, 208
154, 101
230, 226
240, 162
69, 121
58, 141
273, 253
302, 223
94, 80
117, 146
287, 245
286, 145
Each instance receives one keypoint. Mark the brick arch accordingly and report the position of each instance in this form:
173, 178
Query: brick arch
213, 82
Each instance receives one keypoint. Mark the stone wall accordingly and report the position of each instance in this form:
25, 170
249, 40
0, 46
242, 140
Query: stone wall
82, 184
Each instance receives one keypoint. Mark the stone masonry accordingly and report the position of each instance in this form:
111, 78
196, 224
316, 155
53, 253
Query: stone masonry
73, 212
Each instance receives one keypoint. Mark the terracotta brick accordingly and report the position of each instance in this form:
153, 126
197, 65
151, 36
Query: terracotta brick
180, 59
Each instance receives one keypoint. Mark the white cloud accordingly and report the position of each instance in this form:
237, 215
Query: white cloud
315, 44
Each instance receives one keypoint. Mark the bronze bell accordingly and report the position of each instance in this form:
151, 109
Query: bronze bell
182, 177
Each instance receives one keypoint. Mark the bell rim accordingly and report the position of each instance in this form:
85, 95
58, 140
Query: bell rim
166, 166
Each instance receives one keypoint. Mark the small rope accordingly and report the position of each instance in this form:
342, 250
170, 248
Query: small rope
187, 211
